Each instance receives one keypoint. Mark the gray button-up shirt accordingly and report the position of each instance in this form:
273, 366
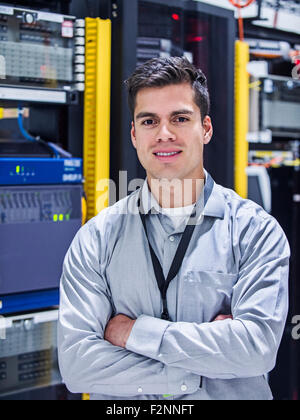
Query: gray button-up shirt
237, 263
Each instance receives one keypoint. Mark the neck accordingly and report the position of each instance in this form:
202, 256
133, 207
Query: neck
176, 192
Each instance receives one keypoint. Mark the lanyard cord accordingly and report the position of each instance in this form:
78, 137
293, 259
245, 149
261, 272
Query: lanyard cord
163, 283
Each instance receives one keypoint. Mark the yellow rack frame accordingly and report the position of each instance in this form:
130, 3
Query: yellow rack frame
242, 57
96, 150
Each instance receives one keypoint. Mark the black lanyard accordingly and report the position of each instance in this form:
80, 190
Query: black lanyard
163, 283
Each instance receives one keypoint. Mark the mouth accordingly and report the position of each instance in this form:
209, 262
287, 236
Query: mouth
167, 156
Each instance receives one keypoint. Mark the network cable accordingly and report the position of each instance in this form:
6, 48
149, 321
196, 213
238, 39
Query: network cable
29, 137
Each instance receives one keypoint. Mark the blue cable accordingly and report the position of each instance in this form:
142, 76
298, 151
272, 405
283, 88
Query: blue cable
27, 136
22, 129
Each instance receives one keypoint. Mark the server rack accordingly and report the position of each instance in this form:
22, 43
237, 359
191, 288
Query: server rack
184, 23
285, 181
28, 352
284, 178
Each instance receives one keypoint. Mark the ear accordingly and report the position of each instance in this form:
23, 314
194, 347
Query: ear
208, 129
133, 136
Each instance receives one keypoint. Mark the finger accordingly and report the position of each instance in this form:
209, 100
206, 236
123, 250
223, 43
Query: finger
223, 317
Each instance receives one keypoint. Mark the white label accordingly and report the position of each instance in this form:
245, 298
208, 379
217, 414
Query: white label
67, 29
80, 32
79, 41
79, 59
2, 67
74, 163
71, 177
50, 17
2, 326
79, 77
19, 94
260, 136
80, 23
79, 50
79, 68
4, 10
268, 86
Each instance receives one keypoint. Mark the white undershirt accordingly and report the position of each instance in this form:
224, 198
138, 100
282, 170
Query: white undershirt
178, 214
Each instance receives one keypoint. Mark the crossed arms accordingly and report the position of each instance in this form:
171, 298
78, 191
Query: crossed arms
99, 353
119, 328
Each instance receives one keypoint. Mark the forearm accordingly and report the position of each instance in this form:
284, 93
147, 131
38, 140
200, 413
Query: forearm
222, 350
92, 365
88, 362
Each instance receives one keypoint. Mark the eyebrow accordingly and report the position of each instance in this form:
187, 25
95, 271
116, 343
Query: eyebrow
173, 114
145, 114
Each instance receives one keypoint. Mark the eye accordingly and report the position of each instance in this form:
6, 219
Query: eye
180, 119
148, 122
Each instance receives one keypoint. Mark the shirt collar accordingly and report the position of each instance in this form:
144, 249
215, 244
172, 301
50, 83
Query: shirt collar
214, 204
213, 200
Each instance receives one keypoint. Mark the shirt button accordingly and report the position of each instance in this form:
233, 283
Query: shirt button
140, 390
183, 388
172, 239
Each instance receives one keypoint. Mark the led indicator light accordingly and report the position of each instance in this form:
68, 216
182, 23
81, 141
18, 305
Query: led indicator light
18, 169
61, 217
55, 218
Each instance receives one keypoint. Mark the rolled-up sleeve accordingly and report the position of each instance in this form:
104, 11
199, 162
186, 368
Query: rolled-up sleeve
88, 363
245, 346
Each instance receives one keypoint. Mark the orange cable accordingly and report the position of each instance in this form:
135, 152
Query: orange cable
237, 3
241, 24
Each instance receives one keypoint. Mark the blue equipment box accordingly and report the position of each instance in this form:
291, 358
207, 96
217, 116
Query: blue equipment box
28, 301
37, 226
40, 171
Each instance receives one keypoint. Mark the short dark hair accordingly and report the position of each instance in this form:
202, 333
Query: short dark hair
161, 72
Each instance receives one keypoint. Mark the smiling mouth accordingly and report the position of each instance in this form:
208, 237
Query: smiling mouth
167, 154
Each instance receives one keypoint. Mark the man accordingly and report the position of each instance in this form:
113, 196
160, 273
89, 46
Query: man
186, 297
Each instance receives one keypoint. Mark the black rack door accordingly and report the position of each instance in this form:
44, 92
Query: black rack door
143, 29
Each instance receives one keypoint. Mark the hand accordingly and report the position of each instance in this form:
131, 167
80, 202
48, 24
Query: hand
118, 329
222, 317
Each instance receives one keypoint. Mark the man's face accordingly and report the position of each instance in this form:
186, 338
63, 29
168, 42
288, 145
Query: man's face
168, 121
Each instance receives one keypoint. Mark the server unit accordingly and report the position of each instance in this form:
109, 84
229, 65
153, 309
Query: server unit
28, 353
42, 67
285, 379
41, 56
37, 225
274, 108
40, 213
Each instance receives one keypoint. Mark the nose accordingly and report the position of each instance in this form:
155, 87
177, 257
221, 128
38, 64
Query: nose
165, 133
